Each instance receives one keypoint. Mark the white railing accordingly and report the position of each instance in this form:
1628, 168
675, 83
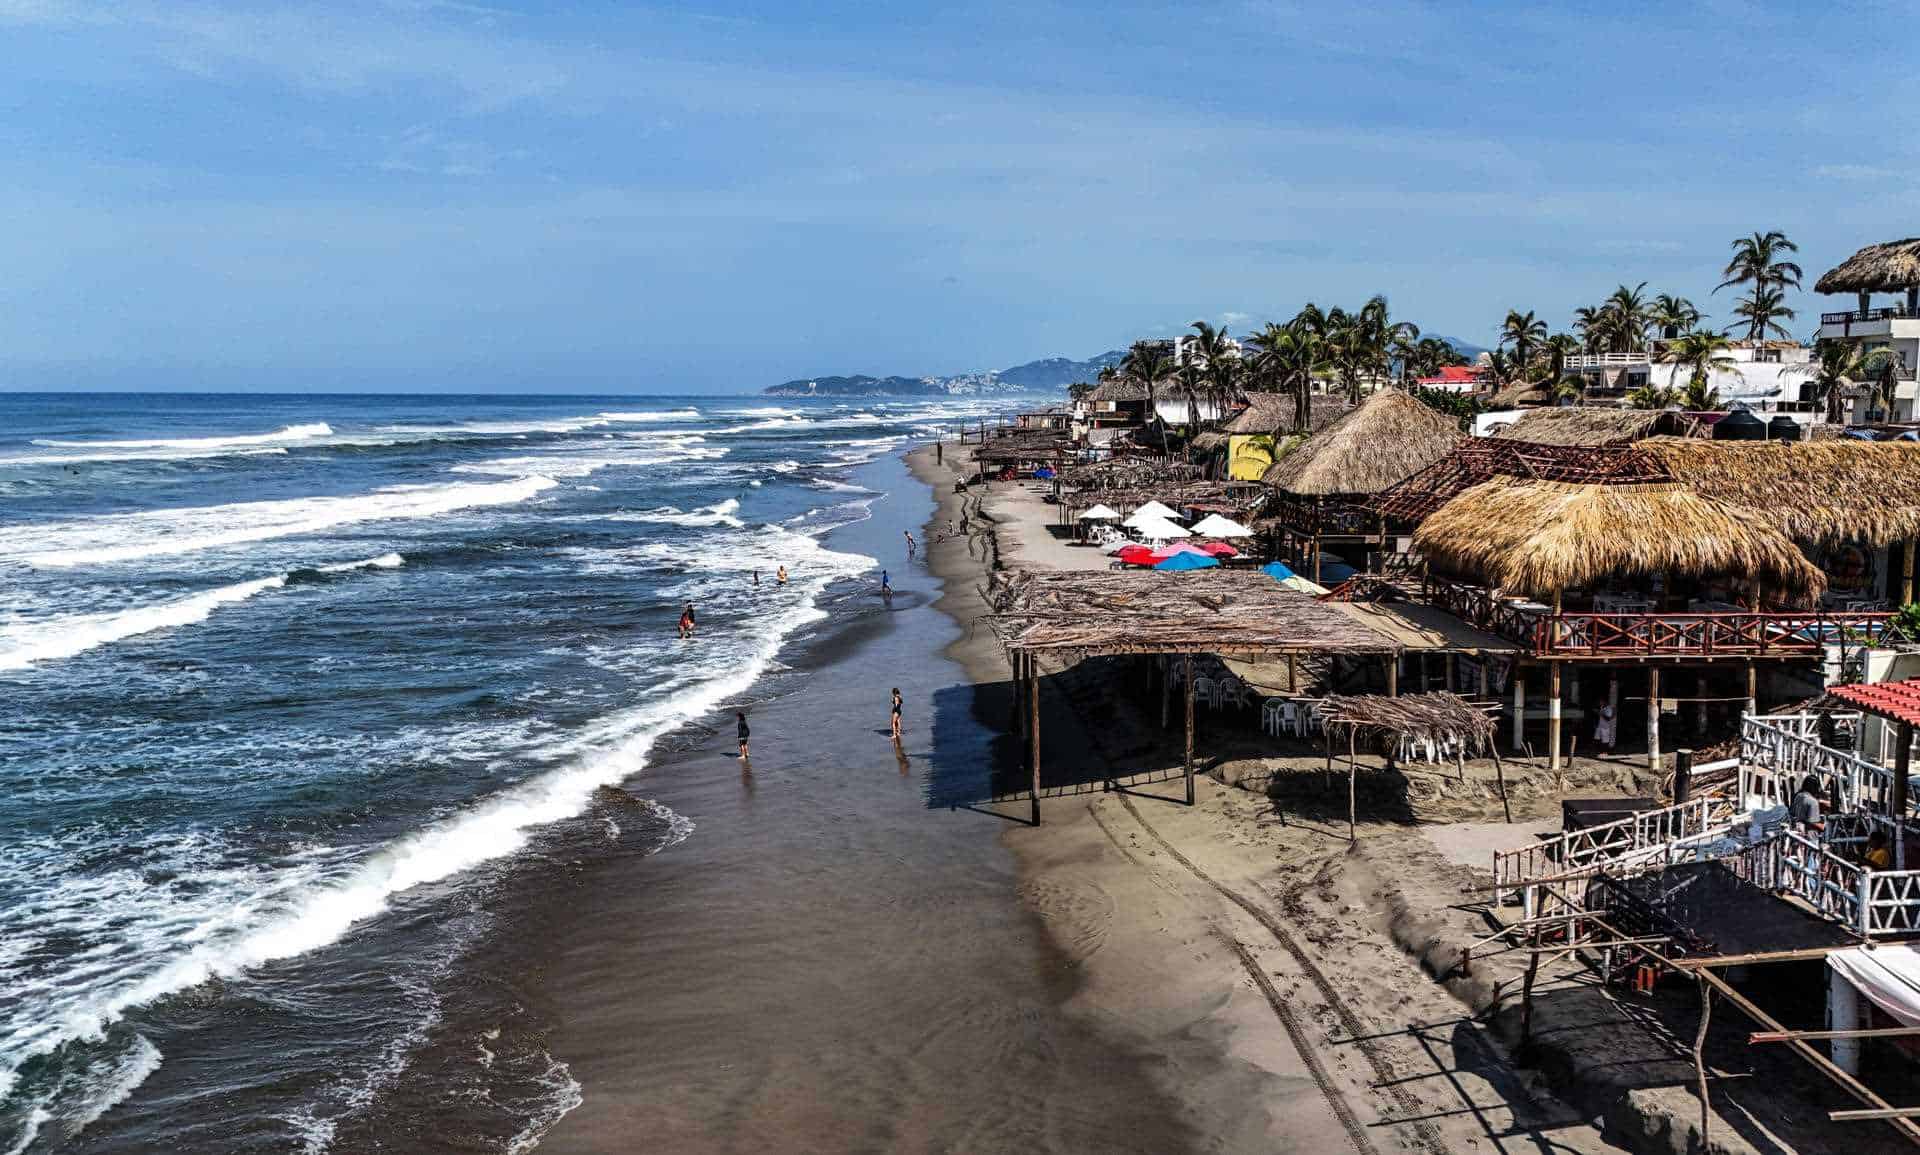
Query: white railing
1790, 864
1778, 751
1609, 360
1615, 847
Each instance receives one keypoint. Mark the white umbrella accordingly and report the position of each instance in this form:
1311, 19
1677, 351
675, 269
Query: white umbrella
1100, 513
1155, 509
1213, 525
1158, 529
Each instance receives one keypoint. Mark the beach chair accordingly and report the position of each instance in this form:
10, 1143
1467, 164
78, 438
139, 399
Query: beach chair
1203, 689
1276, 714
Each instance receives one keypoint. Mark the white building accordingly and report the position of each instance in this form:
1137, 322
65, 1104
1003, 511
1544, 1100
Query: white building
1892, 267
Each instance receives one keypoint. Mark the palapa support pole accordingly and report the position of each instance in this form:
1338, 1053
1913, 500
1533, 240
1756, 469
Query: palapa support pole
1393, 674
1353, 773
1753, 687
1189, 758
1500, 777
1553, 715
1480, 660
1519, 709
1166, 693
1682, 776
1653, 719
1293, 673
1700, 704
1906, 573
1033, 706
1902, 757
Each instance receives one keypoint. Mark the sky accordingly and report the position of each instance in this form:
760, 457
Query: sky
602, 197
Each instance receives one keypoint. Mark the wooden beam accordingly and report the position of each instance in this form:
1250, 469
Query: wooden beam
1033, 705
1859, 1033
1553, 716
1653, 719
1189, 757
1906, 573
1881, 1113
1519, 708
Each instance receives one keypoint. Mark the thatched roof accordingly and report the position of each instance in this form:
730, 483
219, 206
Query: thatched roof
1592, 425
1389, 437
1883, 268
1820, 492
1128, 473
1087, 612
1118, 389
1209, 441
1434, 717
1265, 412
1479, 459
1538, 537
1520, 393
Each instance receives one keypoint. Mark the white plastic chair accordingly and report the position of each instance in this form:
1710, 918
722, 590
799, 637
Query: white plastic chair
1275, 716
1203, 689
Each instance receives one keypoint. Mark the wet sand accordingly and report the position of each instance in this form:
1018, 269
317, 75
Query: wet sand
826, 964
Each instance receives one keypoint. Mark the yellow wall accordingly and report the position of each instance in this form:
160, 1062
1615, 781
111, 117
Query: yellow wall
1248, 456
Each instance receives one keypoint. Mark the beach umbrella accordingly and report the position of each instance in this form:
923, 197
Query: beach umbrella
1158, 529
1099, 513
1213, 525
1155, 509
1186, 561
1171, 548
1218, 549
1116, 545
1136, 554
1043, 474
1278, 571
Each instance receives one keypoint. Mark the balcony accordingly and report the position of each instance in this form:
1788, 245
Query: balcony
1589, 636
1640, 360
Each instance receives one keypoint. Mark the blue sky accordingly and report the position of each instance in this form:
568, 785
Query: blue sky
419, 195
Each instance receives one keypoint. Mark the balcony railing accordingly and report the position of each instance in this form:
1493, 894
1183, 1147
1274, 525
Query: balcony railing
1610, 635
1609, 360
1856, 316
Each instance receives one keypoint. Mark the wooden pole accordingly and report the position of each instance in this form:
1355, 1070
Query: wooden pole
1519, 709
1033, 706
1682, 776
1901, 759
1700, 1062
1166, 694
1753, 687
1293, 673
1653, 719
1480, 660
1500, 776
1526, 993
1189, 758
1452, 661
1353, 771
1393, 675
1906, 573
1553, 715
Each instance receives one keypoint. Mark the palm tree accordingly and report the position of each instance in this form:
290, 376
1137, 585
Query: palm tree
1674, 315
1625, 320
1557, 349
1757, 263
1525, 334
1403, 350
1701, 353
1220, 360
1149, 364
1762, 310
1286, 357
1651, 396
1587, 326
1843, 363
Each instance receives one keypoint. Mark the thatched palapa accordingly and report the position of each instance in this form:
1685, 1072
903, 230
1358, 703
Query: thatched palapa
1888, 267
1592, 425
1542, 537
1436, 717
1481, 459
1388, 438
1089, 612
1520, 393
1822, 493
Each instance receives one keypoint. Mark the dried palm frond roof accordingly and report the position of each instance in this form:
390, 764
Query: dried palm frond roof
1434, 717
1520, 393
1147, 612
1824, 493
1032, 446
1118, 389
1540, 537
1238, 496
1593, 425
1265, 412
1386, 439
1883, 268
1209, 441
1128, 472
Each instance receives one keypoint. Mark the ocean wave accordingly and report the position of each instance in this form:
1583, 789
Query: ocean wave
121, 537
31, 460
584, 463
661, 415
720, 514
762, 411
28, 643
285, 433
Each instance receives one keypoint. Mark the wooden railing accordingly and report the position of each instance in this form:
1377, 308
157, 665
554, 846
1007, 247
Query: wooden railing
1607, 635
1776, 754
1615, 847
1326, 517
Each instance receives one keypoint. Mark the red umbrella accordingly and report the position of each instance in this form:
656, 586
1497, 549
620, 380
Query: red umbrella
1220, 549
1137, 555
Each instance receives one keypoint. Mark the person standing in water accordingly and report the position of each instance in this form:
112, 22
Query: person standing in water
740, 720
756, 579
896, 713
909, 534
780, 575
686, 621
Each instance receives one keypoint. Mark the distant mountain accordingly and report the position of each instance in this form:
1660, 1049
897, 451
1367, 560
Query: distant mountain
1058, 372
1050, 373
860, 385
1465, 349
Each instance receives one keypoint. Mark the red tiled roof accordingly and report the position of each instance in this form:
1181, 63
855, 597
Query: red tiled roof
1453, 375
1899, 701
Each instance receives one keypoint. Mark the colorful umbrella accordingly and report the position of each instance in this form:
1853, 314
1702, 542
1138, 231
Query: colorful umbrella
1137, 555
1213, 525
1186, 561
1219, 549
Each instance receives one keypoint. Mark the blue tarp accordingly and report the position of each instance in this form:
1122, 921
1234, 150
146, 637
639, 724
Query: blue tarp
1184, 560
1277, 571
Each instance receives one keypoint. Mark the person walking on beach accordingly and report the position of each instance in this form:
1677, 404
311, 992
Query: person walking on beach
896, 713
740, 724
909, 534
886, 588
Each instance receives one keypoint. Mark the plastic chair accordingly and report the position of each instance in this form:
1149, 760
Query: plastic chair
1203, 689
1274, 716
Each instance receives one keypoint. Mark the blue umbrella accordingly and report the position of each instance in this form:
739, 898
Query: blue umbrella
1277, 571
1186, 561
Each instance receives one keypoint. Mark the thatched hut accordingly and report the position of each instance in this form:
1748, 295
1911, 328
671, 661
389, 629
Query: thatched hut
1540, 538
1595, 426
1827, 495
1520, 395
1390, 436
1888, 267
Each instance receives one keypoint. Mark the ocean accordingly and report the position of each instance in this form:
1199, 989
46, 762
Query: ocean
290, 681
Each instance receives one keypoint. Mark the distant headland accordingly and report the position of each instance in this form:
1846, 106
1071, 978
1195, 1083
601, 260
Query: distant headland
1049, 373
